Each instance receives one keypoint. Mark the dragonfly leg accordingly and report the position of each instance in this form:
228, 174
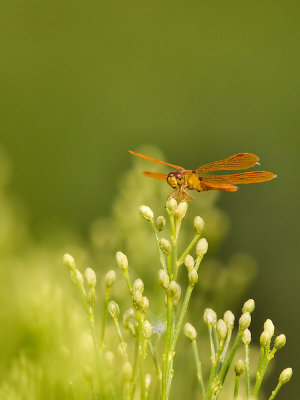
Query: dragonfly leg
184, 193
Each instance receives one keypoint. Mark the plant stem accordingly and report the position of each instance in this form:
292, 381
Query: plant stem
187, 250
198, 367
141, 354
161, 254
104, 317
236, 386
274, 393
263, 364
247, 370
158, 370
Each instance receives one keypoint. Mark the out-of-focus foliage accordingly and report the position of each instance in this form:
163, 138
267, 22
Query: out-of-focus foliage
46, 349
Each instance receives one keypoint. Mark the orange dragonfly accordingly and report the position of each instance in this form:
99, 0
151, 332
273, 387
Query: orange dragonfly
183, 180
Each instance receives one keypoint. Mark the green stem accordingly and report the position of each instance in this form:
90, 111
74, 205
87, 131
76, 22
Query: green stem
236, 386
274, 393
141, 354
136, 351
224, 351
261, 370
198, 367
104, 317
187, 250
157, 367
122, 341
161, 254
167, 349
247, 370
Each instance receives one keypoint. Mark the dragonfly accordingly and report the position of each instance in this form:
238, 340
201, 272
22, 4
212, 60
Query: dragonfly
183, 179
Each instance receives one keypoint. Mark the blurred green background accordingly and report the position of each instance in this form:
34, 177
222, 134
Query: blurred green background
83, 82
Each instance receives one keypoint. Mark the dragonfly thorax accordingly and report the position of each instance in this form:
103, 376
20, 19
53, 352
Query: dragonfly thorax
175, 179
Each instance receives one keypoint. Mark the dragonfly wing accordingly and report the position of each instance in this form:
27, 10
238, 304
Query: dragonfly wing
235, 162
157, 161
243, 177
155, 175
220, 186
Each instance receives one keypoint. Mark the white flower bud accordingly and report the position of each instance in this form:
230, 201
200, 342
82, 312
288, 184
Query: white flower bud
221, 329
109, 358
147, 213
193, 277
190, 331
145, 304
174, 290
147, 329
113, 309
127, 316
280, 341
122, 261
198, 225
246, 338
138, 284
210, 317
69, 261
148, 381
160, 223
90, 277
229, 319
137, 298
265, 338
163, 278
110, 278
165, 245
201, 247
239, 367
189, 262
77, 277
171, 205
127, 371
248, 306
181, 210
269, 326
244, 321
285, 375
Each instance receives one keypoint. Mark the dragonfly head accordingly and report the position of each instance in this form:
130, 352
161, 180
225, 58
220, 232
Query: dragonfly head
175, 179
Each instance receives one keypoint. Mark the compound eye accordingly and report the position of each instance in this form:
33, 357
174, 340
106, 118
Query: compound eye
179, 177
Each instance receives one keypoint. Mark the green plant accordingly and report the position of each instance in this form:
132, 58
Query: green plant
140, 340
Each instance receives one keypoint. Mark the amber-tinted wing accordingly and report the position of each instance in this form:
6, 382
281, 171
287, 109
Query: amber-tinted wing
157, 161
243, 177
220, 186
235, 162
155, 175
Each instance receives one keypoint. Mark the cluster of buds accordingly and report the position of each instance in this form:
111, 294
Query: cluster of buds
140, 302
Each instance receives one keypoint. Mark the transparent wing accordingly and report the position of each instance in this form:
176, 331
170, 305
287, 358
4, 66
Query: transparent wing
243, 177
157, 161
235, 162
155, 175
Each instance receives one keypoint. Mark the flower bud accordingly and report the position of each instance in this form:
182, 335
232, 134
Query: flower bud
160, 223
198, 225
138, 285
165, 246
249, 306
174, 290
193, 277
221, 329
246, 338
133, 326
201, 247
280, 341
110, 278
239, 367
137, 298
269, 326
265, 338
145, 304
122, 261
163, 278
127, 316
189, 262
229, 319
77, 277
244, 321
181, 210
113, 309
210, 317
148, 381
90, 277
147, 329
190, 331
147, 213
171, 205
127, 371
109, 358
285, 375
69, 261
